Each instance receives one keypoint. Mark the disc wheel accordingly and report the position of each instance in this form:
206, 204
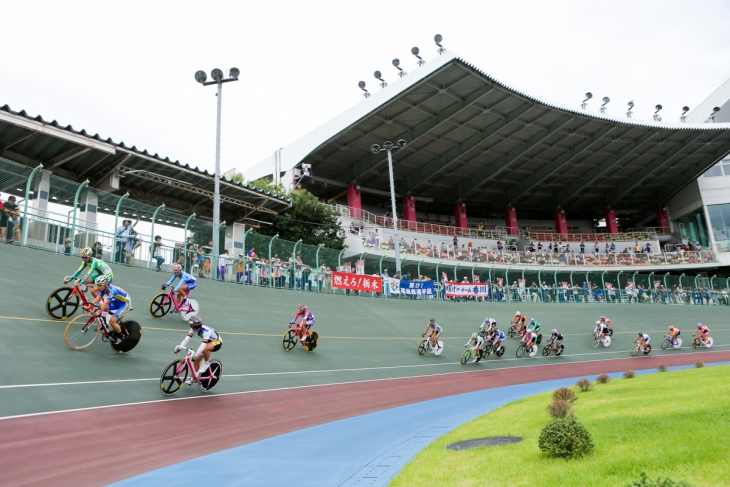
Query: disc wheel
560, 349
609, 332
709, 342
647, 349
520, 351
61, 303
312, 342
211, 376
79, 335
159, 306
466, 356
533, 351
190, 309
173, 377
635, 350
134, 334
423, 347
606, 341
290, 340
500, 351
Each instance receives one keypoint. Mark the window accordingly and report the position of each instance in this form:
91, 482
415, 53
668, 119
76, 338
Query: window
722, 168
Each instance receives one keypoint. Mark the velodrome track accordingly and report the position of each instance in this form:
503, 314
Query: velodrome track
365, 343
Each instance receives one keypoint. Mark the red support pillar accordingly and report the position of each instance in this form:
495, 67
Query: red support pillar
460, 215
409, 210
662, 218
510, 220
354, 201
611, 225
561, 223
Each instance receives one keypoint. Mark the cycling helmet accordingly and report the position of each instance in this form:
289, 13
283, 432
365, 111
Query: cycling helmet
195, 321
532, 320
101, 280
603, 317
518, 313
554, 332
641, 333
176, 267
302, 307
432, 320
699, 325
473, 336
86, 253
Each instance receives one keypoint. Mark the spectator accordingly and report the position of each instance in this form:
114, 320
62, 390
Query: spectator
648, 248
499, 245
201, 261
582, 248
386, 283
328, 280
362, 227
596, 250
637, 248
123, 235
320, 277
613, 248
130, 245
352, 228
10, 220
239, 268
98, 251
157, 252
67, 246
222, 262
456, 242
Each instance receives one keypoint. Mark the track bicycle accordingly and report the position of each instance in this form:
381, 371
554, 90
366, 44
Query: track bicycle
637, 349
489, 349
425, 347
668, 342
176, 373
515, 329
522, 349
552, 347
85, 329
697, 342
291, 338
161, 304
597, 338
470, 353
64, 301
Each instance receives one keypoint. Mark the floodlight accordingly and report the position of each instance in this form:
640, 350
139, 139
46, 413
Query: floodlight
361, 84
657, 108
234, 73
375, 148
589, 95
216, 74
401, 144
631, 104
716, 109
584, 105
712, 115
415, 52
388, 145
378, 75
200, 76
685, 110
396, 62
606, 100
437, 39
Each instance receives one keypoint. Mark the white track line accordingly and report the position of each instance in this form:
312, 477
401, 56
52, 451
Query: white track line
286, 388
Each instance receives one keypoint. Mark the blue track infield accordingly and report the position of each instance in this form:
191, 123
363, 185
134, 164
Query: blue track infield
362, 451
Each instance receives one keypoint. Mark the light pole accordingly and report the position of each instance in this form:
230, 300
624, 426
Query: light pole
389, 147
201, 78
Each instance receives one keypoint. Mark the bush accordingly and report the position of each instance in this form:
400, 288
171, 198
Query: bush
629, 374
667, 482
602, 379
560, 408
584, 385
662, 367
565, 438
565, 394
699, 364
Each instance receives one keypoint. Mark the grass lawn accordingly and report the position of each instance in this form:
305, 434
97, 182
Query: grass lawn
674, 424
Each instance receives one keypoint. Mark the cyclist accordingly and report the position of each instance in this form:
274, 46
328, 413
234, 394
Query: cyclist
113, 299
605, 320
97, 268
643, 340
673, 331
211, 342
702, 332
529, 338
477, 344
533, 326
520, 320
556, 338
601, 328
434, 334
496, 338
307, 321
187, 283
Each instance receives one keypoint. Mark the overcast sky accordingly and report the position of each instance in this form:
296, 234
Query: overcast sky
125, 69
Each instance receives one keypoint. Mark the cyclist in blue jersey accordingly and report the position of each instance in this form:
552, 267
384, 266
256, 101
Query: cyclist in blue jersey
115, 300
187, 283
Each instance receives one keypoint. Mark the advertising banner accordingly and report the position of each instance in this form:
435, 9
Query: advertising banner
356, 282
466, 289
416, 288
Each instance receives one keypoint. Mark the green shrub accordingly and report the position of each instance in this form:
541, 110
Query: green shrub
667, 482
699, 364
602, 379
559, 408
565, 394
629, 374
584, 385
662, 367
565, 438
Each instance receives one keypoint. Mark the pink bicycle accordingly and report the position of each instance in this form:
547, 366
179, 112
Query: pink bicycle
177, 372
161, 304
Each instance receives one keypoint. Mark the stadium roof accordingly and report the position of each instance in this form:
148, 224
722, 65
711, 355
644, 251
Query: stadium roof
148, 178
474, 139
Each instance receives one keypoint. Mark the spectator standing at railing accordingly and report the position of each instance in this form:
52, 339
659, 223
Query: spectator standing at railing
239, 268
386, 283
582, 248
97, 251
362, 228
123, 234
130, 246
201, 261
320, 277
10, 220
67, 246
647, 249
499, 245
157, 252
456, 242
637, 248
613, 247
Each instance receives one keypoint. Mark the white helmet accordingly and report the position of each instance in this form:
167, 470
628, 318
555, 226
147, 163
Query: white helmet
518, 314
176, 267
598, 322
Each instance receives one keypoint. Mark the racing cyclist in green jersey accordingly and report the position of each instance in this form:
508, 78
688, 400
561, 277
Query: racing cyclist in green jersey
97, 267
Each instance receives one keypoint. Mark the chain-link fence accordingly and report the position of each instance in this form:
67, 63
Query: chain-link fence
44, 211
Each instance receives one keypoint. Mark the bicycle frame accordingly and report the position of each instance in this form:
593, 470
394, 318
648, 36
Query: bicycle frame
191, 366
171, 297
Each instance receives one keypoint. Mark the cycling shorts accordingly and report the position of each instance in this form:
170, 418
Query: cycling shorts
218, 345
191, 285
437, 330
309, 324
647, 340
118, 311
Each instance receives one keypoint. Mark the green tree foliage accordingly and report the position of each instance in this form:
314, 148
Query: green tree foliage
565, 438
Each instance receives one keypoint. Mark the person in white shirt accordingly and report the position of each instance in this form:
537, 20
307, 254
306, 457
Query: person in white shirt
222, 261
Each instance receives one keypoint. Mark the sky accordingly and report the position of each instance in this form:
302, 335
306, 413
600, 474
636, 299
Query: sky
125, 70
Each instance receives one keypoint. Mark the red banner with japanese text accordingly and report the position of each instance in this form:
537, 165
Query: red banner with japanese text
357, 282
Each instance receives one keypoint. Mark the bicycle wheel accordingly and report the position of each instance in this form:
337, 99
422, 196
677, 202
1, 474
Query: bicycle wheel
174, 377
520, 351
160, 305
500, 351
80, 334
61, 304
559, 350
595, 340
695, 343
546, 350
466, 356
290, 340
708, 342
609, 332
488, 349
423, 347
635, 350
134, 334
533, 351
190, 309
665, 343
512, 332
312, 342
606, 341
211, 376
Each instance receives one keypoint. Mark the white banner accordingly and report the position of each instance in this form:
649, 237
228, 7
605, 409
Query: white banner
467, 289
394, 285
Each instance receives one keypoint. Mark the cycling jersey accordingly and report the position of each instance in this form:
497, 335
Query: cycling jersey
307, 315
502, 336
435, 327
530, 336
704, 330
480, 342
520, 320
208, 334
558, 337
645, 337
96, 266
488, 322
185, 278
606, 321
535, 327
118, 299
